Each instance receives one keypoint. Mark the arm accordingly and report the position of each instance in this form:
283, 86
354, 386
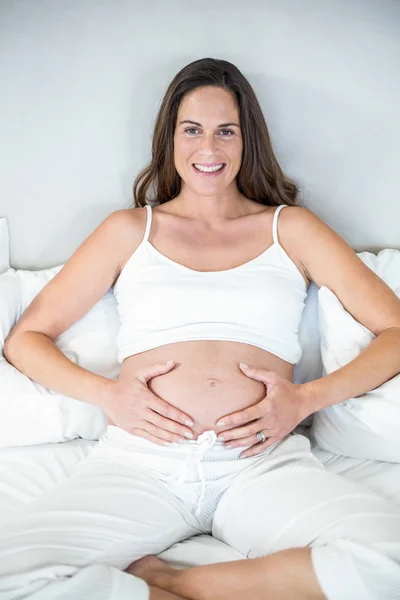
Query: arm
376, 364
83, 280
37, 356
330, 262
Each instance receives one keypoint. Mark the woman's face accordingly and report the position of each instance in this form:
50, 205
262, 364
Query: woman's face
207, 135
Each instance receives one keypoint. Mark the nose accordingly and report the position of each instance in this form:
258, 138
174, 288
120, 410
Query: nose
208, 145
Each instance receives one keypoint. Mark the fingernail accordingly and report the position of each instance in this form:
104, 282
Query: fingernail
244, 365
188, 435
228, 446
220, 423
220, 437
169, 362
189, 423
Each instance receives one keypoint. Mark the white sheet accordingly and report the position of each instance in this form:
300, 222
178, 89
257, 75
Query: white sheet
382, 477
27, 472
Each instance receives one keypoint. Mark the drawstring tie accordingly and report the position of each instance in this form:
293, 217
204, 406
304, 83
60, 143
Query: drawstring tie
205, 441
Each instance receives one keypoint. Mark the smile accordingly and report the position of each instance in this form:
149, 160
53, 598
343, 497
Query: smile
209, 169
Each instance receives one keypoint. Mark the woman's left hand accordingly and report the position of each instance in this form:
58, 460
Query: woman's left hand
275, 416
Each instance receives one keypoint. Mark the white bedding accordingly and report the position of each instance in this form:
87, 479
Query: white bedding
26, 472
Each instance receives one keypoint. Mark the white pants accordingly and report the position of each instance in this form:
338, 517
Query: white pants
130, 498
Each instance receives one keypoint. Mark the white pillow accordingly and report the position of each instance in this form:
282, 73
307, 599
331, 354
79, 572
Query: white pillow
4, 246
30, 413
368, 426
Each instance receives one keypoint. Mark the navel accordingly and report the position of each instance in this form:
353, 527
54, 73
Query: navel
212, 383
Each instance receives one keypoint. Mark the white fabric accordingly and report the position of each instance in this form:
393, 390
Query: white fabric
4, 246
31, 414
131, 488
10, 305
28, 472
51, 549
162, 302
367, 426
381, 477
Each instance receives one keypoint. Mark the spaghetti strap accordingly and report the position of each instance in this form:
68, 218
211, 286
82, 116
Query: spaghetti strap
148, 223
275, 223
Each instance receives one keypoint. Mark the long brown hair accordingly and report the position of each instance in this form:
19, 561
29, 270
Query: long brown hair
260, 177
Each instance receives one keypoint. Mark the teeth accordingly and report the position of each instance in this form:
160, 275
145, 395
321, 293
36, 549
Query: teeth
208, 169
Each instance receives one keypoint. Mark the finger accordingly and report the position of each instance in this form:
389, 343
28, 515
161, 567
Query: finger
245, 432
167, 410
242, 417
259, 374
144, 374
259, 447
241, 442
167, 424
147, 436
163, 434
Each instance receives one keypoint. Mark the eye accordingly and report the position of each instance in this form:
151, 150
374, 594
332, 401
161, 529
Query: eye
228, 131
190, 130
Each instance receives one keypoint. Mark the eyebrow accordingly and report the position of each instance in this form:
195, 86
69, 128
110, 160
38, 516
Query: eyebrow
199, 124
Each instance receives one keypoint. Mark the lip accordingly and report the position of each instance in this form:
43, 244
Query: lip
211, 173
214, 164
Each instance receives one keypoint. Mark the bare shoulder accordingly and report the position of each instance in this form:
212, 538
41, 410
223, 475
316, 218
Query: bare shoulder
308, 236
316, 245
290, 223
294, 218
86, 276
331, 262
127, 227
127, 222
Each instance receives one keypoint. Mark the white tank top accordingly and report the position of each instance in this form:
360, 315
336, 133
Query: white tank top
162, 302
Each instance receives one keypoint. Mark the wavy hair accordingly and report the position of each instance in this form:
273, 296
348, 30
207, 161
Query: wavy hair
260, 177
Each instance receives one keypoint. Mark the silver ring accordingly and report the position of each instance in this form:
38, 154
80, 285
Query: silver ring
261, 436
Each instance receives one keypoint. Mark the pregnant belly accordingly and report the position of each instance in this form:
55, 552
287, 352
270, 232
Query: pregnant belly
206, 381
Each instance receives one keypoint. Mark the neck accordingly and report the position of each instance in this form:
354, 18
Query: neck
211, 208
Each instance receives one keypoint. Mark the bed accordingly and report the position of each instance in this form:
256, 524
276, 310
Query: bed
43, 437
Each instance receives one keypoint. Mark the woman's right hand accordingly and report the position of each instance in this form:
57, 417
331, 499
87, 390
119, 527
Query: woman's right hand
132, 406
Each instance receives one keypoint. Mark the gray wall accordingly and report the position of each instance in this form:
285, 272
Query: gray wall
81, 81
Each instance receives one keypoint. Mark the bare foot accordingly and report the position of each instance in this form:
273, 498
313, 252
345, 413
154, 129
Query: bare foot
150, 568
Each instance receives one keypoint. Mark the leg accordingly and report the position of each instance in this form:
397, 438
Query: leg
75, 541
289, 501
255, 579
157, 594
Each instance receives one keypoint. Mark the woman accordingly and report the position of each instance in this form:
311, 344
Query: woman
206, 284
